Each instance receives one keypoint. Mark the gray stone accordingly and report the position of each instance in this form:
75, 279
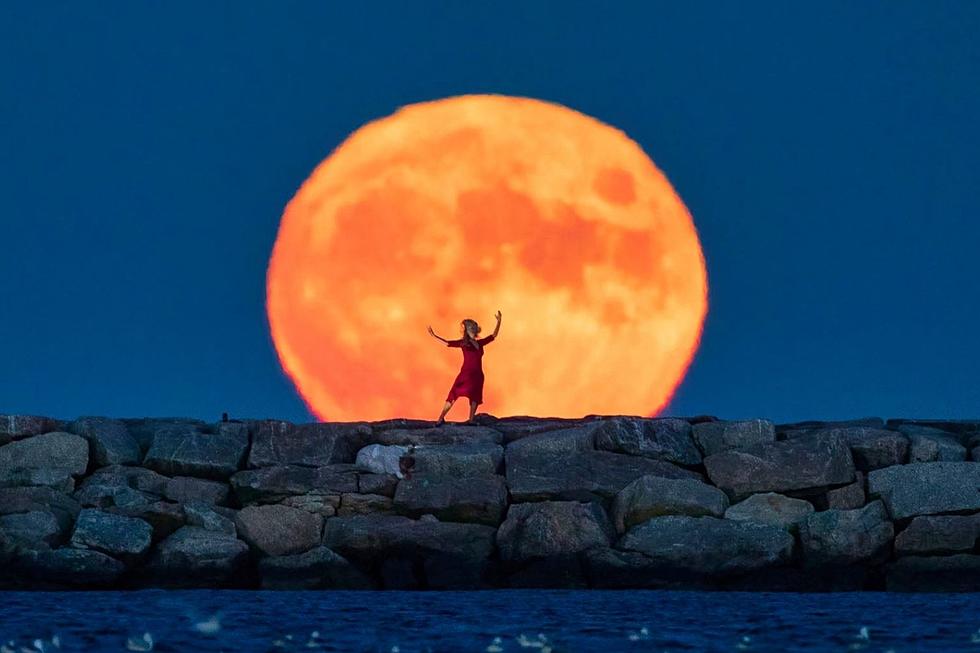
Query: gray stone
318, 568
927, 488
122, 537
162, 516
312, 445
653, 496
808, 463
279, 530
847, 497
384, 484
183, 489
555, 443
57, 449
771, 508
44, 499
552, 528
445, 434
325, 505
110, 441
53, 477
708, 546
666, 438
873, 448
202, 514
935, 447
37, 529
189, 451
67, 566
273, 484
361, 504
958, 426
715, 437
955, 573
144, 429
521, 426
15, 427
195, 556
846, 537
579, 476
480, 499
458, 460
931, 535
809, 427
138, 478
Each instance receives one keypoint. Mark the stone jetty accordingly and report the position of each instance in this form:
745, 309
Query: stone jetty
602, 501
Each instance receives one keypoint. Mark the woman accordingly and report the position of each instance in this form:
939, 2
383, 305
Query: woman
469, 381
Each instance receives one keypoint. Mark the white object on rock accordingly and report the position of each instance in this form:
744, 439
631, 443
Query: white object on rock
381, 459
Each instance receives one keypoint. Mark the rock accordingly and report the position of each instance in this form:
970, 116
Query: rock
846, 537
665, 438
609, 568
325, 505
68, 566
847, 497
927, 488
360, 504
809, 427
190, 451
939, 535
975, 454
808, 463
771, 508
457, 460
381, 459
138, 478
196, 556
53, 477
318, 568
480, 499
579, 476
715, 437
111, 443
936, 447
203, 515
122, 537
43, 499
56, 449
555, 443
383, 484
183, 489
708, 546
446, 434
956, 573
273, 484
956, 426
37, 529
653, 496
522, 426
279, 530
312, 445
163, 517
873, 448
15, 427
400, 423
144, 429
550, 528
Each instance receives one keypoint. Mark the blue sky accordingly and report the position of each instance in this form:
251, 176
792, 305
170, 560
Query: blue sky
827, 151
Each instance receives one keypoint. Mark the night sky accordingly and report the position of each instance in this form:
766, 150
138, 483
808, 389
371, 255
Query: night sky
828, 153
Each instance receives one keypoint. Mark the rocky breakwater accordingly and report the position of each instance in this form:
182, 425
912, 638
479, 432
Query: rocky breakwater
601, 501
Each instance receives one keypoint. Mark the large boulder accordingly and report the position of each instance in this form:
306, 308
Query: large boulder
194, 451
196, 556
846, 537
931, 447
15, 427
708, 546
144, 429
955, 573
666, 438
552, 528
355, 503
809, 427
121, 486
848, 497
521, 426
771, 508
444, 434
273, 484
325, 505
110, 440
318, 568
555, 443
809, 463
480, 499
138, 478
44, 499
312, 445
927, 488
279, 530
939, 534
162, 516
715, 437
79, 567
37, 529
204, 515
56, 449
654, 496
126, 538
457, 460
186, 488
579, 476
873, 448
383, 484
56, 478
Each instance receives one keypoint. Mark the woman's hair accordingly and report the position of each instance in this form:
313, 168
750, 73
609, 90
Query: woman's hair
466, 334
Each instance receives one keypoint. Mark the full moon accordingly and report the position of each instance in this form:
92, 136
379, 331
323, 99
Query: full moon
460, 207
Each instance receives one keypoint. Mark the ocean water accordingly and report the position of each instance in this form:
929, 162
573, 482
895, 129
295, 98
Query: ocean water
530, 621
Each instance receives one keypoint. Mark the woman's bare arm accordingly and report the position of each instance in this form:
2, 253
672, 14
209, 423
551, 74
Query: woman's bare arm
497, 328
437, 337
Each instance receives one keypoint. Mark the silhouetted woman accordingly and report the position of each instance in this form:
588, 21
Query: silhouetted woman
469, 381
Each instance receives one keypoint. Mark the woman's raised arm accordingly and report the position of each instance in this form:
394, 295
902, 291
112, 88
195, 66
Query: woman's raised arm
436, 336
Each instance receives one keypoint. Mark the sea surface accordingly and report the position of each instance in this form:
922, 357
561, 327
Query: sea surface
530, 621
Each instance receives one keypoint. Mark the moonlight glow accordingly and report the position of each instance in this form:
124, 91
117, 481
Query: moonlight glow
458, 207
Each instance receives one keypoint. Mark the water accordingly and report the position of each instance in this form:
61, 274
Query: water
531, 621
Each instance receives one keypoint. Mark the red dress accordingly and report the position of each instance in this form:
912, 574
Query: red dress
469, 381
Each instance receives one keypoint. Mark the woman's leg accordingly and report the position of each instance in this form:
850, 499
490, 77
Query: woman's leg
445, 409
473, 406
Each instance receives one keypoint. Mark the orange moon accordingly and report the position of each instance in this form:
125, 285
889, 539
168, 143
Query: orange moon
459, 207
